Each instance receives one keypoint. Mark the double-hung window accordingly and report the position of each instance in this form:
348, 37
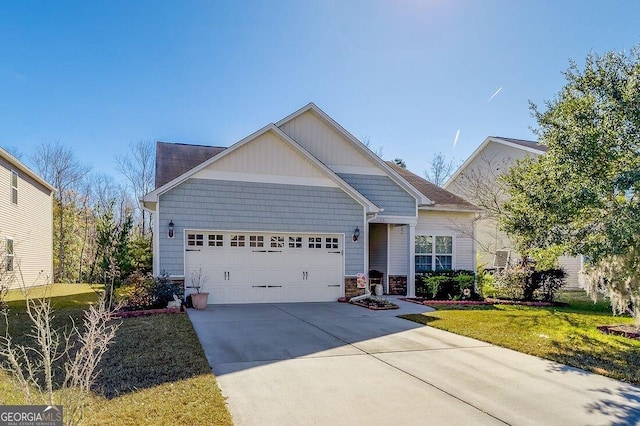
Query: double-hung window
9, 254
433, 253
14, 187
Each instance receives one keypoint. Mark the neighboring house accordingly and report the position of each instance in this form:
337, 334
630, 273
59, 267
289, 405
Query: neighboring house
476, 180
294, 211
26, 224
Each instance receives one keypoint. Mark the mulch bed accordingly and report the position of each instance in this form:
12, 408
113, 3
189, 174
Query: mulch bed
625, 330
485, 302
145, 312
374, 305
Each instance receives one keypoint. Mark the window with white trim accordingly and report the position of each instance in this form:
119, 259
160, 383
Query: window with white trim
331, 243
433, 253
277, 241
14, 187
295, 242
237, 241
315, 242
9, 254
256, 241
195, 240
216, 240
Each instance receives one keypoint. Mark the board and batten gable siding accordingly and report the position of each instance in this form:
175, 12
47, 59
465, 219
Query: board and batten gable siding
268, 155
378, 241
208, 204
434, 223
384, 193
29, 223
325, 143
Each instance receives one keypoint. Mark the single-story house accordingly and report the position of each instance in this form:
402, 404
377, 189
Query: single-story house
295, 211
477, 180
26, 225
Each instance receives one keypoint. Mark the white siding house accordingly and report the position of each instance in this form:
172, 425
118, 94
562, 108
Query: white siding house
26, 224
478, 178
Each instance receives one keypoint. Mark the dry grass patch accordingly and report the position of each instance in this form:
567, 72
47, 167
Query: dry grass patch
154, 373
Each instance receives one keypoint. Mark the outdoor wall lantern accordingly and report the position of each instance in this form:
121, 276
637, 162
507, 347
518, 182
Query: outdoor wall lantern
356, 234
171, 225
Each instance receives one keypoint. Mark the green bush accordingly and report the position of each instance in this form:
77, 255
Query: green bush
486, 284
523, 283
446, 285
143, 291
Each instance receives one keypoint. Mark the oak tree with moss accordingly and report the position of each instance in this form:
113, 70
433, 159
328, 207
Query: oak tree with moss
583, 194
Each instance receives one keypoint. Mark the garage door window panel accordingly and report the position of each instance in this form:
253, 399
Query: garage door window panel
277, 241
295, 242
332, 243
195, 240
216, 240
315, 242
256, 241
237, 241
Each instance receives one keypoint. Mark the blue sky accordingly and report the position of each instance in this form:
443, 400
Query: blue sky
406, 74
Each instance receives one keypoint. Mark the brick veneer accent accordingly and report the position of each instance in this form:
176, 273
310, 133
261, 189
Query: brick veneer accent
398, 285
351, 287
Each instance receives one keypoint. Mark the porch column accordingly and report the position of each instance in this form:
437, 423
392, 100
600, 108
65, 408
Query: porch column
411, 276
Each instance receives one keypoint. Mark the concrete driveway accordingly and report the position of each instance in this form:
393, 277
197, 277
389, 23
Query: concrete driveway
339, 364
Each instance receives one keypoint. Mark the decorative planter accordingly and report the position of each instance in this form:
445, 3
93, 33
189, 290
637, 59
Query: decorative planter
199, 300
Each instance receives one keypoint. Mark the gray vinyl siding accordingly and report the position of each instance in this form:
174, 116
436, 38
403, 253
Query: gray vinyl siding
247, 206
384, 193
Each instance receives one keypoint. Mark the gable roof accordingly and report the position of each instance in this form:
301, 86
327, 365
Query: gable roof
360, 147
522, 142
21, 167
525, 145
152, 197
441, 198
174, 159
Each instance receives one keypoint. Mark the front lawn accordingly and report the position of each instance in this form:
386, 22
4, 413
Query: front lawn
154, 373
567, 335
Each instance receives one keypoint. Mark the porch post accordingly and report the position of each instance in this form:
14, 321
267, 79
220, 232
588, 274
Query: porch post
411, 276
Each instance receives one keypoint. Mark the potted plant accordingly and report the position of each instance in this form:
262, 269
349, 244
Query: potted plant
198, 280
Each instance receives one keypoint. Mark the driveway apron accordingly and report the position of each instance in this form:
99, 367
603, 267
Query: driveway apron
339, 364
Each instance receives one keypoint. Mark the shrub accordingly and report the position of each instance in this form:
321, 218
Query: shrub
511, 283
523, 283
143, 291
551, 280
486, 284
446, 285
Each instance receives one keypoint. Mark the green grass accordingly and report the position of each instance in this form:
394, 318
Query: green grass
155, 372
567, 335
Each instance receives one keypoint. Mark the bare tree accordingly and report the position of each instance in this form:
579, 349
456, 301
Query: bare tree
366, 141
139, 170
58, 165
481, 185
440, 169
13, 151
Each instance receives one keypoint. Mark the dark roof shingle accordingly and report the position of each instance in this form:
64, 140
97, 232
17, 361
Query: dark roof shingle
174, 159
441, 197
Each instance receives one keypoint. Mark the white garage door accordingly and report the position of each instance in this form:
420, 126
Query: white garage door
265, 267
